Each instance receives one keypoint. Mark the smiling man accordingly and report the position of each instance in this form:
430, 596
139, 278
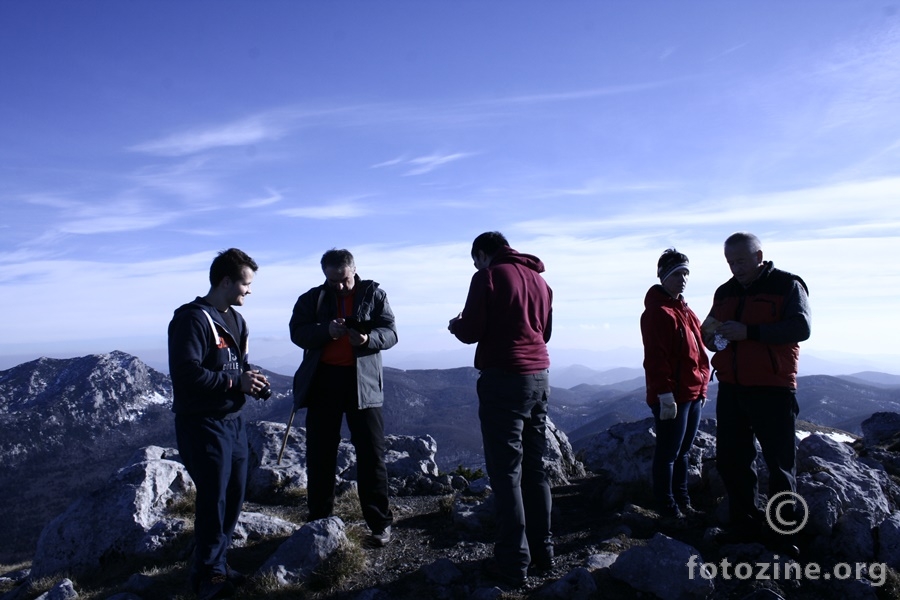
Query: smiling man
211, 374
757, 321
342, 326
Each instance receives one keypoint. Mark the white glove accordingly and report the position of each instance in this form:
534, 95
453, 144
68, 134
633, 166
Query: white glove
667, 407
702, 401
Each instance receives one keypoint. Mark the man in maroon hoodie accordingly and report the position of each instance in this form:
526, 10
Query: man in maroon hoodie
508, 314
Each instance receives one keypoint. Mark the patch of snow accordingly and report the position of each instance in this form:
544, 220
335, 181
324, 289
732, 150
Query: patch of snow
838, 437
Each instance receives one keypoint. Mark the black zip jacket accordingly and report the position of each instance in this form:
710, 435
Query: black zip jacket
206, 361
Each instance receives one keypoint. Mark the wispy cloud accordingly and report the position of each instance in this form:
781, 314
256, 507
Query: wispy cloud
250, 130
612, 90
118, 216
810, 209
422, 164
346, 209
389, 163
192, 179
426, 164
51, 201
273, 198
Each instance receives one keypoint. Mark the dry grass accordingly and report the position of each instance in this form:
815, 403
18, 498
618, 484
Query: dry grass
183, 506
346, 506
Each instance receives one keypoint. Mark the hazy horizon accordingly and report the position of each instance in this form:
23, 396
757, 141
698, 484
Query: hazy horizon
140, 138
596, 361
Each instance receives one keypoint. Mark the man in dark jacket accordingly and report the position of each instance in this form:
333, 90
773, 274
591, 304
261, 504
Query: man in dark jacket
508, 314
757, 321
211, 373
342, 326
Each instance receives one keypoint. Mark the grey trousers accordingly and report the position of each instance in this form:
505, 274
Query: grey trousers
513, 413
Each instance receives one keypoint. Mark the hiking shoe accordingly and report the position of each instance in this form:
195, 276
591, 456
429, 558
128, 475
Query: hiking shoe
689, 511
670, 512
543, 565
493, 571
235, 578
215, 587
381, 538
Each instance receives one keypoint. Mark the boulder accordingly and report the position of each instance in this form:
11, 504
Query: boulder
442, 572
253, 527
659, 568
409, 456
560, 462
295, 560
888, 550
623, 456
577, 584
882, 429
127, 517
265, 474
64, 590
834, 481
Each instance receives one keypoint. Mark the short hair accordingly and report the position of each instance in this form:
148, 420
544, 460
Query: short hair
230, 263
489, 242
742, 237
669, 260
337, 259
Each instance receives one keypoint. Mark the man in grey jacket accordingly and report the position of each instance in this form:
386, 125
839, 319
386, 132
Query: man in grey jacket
342, 326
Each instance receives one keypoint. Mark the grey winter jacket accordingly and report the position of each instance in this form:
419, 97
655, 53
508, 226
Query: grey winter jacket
314, 310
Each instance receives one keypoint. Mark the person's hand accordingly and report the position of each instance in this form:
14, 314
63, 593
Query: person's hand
702, 401
357, 338
667, 407
337, 329
453, 322
732, 331
252, 382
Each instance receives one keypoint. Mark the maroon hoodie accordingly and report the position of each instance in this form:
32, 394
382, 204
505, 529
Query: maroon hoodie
509, 314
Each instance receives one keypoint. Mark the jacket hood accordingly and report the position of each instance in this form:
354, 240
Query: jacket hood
508, 256
658, 296
197, 304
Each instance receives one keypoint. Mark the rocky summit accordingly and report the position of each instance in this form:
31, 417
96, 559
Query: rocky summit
126, 534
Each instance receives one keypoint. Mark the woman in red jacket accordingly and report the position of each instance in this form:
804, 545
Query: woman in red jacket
677, 372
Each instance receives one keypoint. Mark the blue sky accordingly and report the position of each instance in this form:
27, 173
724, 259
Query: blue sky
139, 138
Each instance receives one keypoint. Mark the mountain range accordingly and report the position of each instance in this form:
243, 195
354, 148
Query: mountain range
66, 424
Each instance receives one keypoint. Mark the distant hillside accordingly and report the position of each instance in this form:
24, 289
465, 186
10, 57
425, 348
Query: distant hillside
875, 378
66, 424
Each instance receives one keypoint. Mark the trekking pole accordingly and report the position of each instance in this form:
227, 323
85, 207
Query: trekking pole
287, 432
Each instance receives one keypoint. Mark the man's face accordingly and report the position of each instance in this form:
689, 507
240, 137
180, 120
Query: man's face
238, 289
743, 263
340, 279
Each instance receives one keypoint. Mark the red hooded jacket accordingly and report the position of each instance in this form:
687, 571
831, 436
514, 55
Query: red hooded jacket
674, 358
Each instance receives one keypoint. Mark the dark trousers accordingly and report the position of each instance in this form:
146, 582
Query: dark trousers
769, 414
215, 453
674, 438
333, 394
513, 413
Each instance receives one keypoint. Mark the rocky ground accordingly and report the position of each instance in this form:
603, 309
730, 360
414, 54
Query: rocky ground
425, 543
424, 534
425, 537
